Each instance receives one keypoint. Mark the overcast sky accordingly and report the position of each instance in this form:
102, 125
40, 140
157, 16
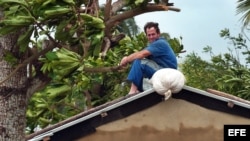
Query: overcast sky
199, 23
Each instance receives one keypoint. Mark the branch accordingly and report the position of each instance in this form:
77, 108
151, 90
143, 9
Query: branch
49, 36
107, 10
137, 11
36, 84
106, 46
27, 61
103, 69
118, 5
107, 17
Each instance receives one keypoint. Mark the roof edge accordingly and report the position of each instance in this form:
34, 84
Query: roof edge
225, 97
127, 99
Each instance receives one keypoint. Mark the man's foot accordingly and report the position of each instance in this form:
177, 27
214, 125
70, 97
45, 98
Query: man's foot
131, 93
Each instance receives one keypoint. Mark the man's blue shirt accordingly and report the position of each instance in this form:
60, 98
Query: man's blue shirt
162, 53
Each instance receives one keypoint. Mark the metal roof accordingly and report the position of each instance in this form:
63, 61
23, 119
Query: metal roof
130, 98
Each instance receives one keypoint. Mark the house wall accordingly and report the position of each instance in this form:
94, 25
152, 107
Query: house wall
171, 120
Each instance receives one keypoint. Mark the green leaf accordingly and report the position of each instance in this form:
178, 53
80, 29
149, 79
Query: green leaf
51, 56
138, 2
57, 90
24, 39
12, 11
56, 11
60, 31
71, 2
18, 21
48, 2
97, 43
234, 80
8, 29
10, 58
21, 2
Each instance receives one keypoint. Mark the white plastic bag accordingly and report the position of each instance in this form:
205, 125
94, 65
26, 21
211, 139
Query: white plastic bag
167, 81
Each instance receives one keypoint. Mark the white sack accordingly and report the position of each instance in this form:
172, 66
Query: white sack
167, 81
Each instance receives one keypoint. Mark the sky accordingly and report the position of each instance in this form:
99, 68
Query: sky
199, 23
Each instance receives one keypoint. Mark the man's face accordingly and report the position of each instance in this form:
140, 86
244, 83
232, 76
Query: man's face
152, 35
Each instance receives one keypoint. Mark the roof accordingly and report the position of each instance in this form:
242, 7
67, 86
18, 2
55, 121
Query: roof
86, 122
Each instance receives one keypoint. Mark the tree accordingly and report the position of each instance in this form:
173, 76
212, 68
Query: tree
243, 8
13, 92
128, 27
72, 26
224, 72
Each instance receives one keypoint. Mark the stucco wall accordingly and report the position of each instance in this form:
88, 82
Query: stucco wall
171, 120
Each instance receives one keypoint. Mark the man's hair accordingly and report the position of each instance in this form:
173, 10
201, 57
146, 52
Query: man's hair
151, 24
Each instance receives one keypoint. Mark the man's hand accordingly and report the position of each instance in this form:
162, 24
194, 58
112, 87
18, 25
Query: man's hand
124, 61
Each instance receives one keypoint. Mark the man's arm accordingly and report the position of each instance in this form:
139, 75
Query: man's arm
137, 55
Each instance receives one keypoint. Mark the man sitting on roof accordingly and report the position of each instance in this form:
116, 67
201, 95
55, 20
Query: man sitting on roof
157, 55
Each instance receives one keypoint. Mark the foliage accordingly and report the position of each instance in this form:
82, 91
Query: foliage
75, 60
199, 73
176, 45
126, 46
67, 70
225, 72
60, 22
128, 27
243, 8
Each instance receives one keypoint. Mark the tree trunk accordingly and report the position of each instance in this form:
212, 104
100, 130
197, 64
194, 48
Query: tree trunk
13, 99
